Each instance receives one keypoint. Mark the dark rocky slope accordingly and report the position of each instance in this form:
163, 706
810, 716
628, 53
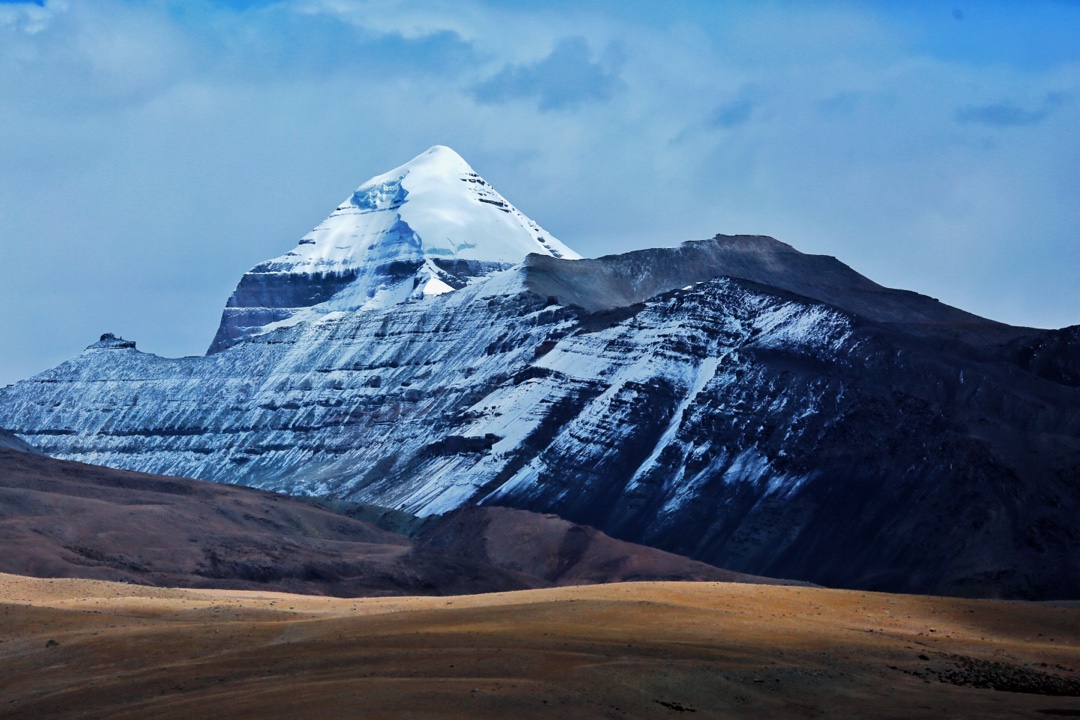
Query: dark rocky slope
897, 460
615, 281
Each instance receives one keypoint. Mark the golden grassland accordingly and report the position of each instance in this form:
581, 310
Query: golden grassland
91, 649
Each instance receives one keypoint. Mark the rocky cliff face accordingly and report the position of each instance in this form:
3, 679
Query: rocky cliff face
732, 399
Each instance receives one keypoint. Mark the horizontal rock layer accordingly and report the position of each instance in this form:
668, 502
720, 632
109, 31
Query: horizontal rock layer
770, 430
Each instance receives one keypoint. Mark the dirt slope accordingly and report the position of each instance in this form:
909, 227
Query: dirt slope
66, 519
561, 552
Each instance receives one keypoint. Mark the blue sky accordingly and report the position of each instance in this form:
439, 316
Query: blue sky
152, 151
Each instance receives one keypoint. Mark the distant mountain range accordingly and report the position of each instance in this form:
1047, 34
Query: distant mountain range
732, 399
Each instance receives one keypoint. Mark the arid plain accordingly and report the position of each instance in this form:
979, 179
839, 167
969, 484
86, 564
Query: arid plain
82, 648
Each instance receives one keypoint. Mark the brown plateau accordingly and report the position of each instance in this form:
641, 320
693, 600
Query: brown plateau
93, 649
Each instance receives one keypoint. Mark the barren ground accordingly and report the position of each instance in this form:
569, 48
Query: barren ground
61, 519
83, 648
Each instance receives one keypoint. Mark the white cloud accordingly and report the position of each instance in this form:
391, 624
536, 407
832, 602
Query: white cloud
30, 18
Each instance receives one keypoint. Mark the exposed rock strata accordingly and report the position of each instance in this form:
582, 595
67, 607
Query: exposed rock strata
775, 429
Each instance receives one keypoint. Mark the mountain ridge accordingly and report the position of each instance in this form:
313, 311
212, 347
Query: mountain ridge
613, 281
732, 400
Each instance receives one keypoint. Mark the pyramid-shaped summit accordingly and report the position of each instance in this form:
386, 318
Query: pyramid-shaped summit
425, 228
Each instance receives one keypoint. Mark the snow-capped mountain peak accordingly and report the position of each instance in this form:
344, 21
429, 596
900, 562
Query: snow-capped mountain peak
425, 228
434, 206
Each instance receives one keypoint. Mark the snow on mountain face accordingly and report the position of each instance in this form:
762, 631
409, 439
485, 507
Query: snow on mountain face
722, 420
426, 228
434, 206
422, 406
730, 399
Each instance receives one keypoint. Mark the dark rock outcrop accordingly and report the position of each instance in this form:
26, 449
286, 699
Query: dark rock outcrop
108, 341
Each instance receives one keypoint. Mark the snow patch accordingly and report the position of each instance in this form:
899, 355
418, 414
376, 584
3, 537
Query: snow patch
706, 371
435, 286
